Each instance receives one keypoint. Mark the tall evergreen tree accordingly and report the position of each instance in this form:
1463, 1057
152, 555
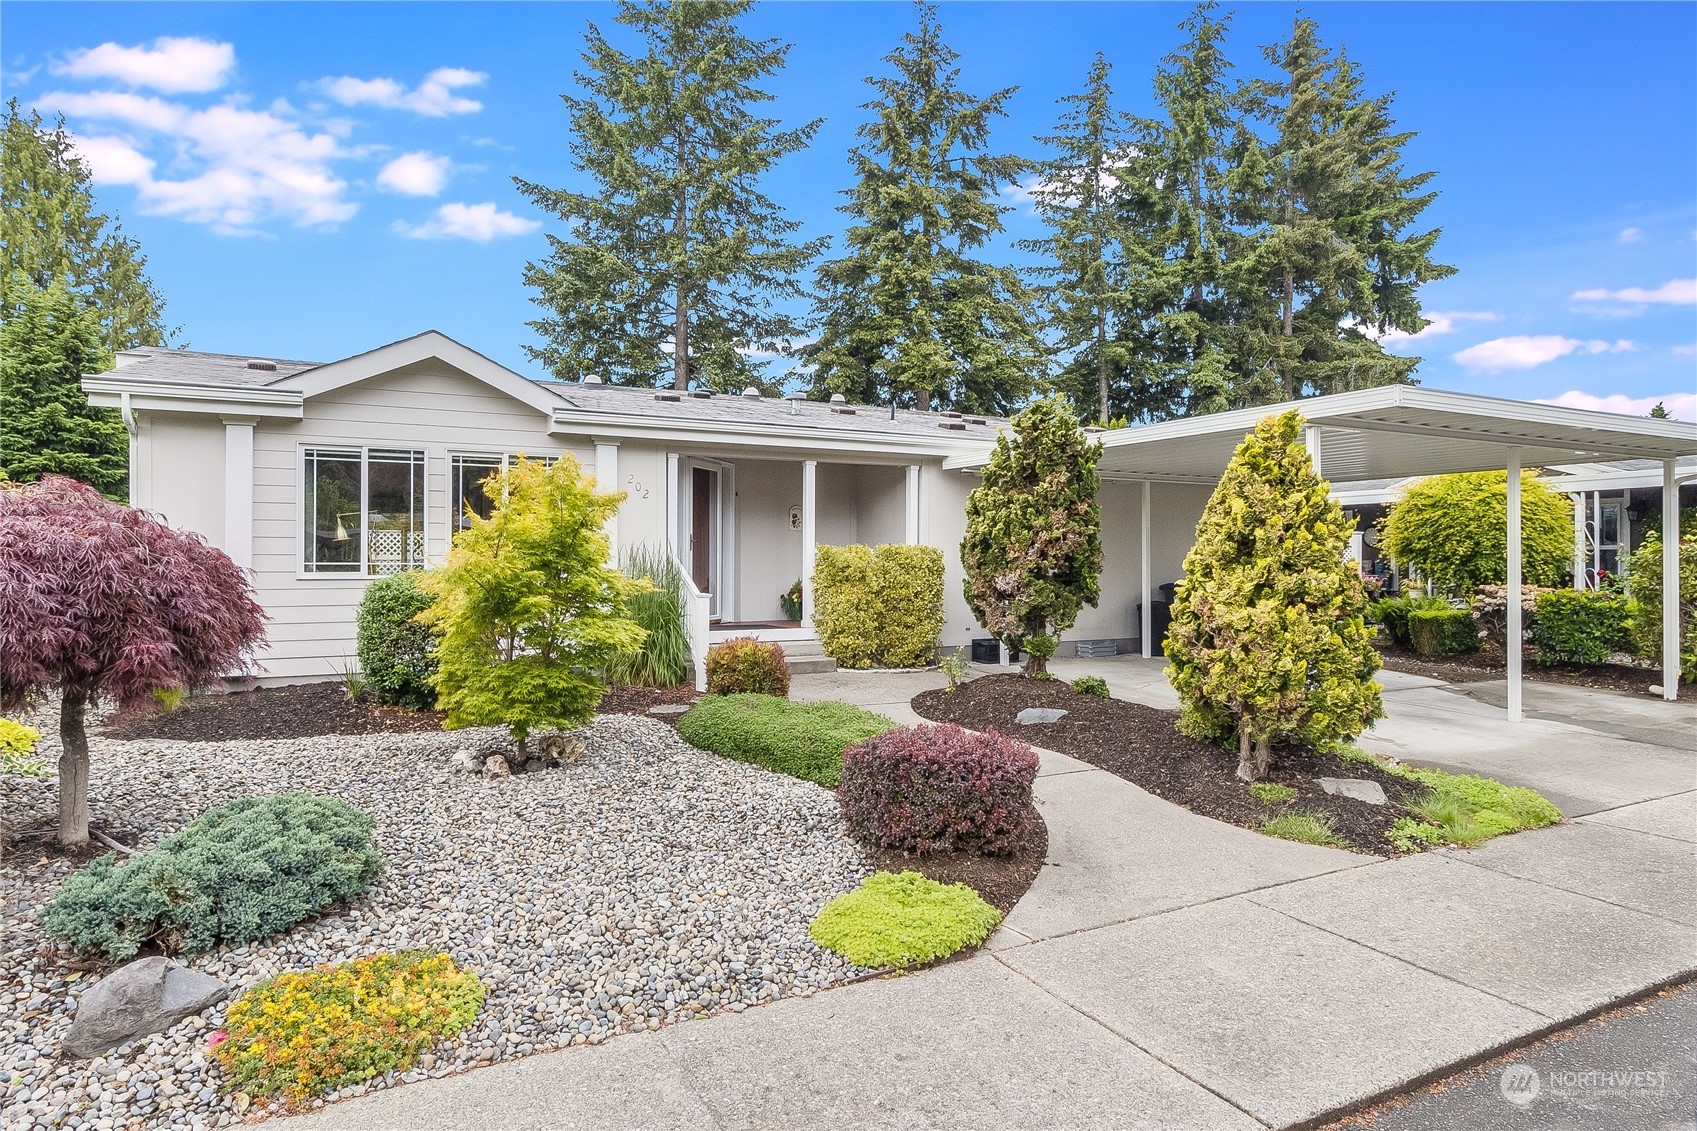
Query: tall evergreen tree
51, 231
673, 264
1075, 194
908, 316
1329, 263
47, 427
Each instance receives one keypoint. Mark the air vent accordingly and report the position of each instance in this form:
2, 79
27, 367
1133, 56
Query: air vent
842, 410
952, 425
838, 398
592, 378
949, 415
261, 364
1092, 429
668, 396
976, 420
751, 393
701, 394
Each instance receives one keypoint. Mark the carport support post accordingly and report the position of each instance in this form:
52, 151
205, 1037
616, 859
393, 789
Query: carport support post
1670, 581
1145, 629
1578, 541
1513, 641
809, 532
911, 505
1311, 441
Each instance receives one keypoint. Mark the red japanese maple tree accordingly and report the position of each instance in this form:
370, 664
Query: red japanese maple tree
105, 602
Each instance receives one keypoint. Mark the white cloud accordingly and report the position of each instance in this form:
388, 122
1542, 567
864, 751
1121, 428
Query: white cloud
1523, 351
1674, 292
231, 168
1680, 406
1631, 235
172, 65
416, 174
1437, 322
433, 98
477, 222
1686, 350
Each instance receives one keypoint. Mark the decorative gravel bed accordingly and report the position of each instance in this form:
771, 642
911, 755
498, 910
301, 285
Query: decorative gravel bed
648, 884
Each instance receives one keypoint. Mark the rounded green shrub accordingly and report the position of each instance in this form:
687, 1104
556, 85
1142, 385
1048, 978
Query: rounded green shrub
396, 652
236, 874
878, 607
1442, 631
804, 740
1645, 582
934, 789
1454, 530
1092, 685
903, 920
744, 665
1581, 626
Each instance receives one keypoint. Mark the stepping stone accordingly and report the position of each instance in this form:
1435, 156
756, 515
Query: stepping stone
669, 709
1356, 789
1040, 715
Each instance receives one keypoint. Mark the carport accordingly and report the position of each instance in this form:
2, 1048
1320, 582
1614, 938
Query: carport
1399, 431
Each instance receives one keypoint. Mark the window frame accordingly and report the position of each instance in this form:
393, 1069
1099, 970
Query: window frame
362, 569
507, 459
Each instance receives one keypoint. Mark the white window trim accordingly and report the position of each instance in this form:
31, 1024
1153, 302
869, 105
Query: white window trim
362, 573
507, 458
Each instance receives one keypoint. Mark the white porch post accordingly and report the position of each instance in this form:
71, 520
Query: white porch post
1597, 537
912, 500
1514, 630
1146, 615
672, 503
1578, 540
1311, 441
809, 534
1670, 581
607, 479
238, 489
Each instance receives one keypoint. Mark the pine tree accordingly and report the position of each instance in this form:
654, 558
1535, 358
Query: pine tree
1075, 195
908, 316
1033, 546
1268, 637
672, 267
1329, 264
47, 427
50, 232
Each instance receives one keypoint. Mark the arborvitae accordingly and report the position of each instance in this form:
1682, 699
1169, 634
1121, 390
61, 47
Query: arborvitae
673, 264
1268, 638
907, 316
1033, 546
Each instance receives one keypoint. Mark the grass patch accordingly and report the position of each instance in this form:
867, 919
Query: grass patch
804, 740
1308, 828
903, 920
1270, 793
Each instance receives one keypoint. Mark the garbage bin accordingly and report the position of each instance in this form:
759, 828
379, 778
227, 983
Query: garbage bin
989, 651
1168, 591
1160, 619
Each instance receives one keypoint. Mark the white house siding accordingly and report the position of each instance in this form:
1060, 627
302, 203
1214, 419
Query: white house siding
178, 471
881, 497
428, 407
768, 551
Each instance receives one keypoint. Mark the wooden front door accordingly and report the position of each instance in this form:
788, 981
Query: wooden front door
703, 504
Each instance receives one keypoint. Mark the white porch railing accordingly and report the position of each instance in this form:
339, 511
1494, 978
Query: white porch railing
697, 622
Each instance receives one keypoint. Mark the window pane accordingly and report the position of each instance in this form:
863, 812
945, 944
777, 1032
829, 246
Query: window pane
469, 490
331, 510
395, 504
1610, 535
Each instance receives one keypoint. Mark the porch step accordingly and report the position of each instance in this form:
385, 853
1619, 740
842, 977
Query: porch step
806, 657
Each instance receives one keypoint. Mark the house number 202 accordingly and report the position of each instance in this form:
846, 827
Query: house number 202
637, 490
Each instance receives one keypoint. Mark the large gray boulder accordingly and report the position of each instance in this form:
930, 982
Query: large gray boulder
146, 996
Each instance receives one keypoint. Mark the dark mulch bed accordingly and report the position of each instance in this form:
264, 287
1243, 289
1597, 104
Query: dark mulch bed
1000, 880
1490, 663
1142, 745
637, 700
303, 711
33, 846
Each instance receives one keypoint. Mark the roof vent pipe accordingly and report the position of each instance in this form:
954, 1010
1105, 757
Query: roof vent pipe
795, 400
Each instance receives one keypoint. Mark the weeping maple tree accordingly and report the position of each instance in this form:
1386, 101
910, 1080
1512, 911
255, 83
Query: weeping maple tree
105, 603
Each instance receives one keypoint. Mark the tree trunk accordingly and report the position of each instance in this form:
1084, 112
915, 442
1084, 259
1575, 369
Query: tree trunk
1289, 374
924, 396
1102, 365
73, 770
1253, 756
680, 314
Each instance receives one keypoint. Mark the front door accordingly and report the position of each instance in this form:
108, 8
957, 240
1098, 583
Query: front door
703, 509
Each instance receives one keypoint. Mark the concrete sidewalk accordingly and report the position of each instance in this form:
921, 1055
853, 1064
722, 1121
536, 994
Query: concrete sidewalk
1165, 971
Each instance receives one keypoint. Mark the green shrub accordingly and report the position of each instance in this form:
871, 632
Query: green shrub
878, 607
1454, 530
1645, 581
903, 920
1391, 614
743, 665
396, 656
236, 874
1309, 828
169, 699
1271, 793
304, 1033
17, 743
804, 740
664, 658
1442, 632
1093, 685
1576, 626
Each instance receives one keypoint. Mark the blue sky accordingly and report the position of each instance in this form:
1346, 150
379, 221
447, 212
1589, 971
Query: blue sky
312, 180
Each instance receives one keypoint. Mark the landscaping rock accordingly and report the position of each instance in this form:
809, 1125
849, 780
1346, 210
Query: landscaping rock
670, 708
146, 996
1356, 789
496, 767
1032, 715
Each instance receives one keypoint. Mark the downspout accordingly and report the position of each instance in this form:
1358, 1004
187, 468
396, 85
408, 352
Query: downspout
129, 418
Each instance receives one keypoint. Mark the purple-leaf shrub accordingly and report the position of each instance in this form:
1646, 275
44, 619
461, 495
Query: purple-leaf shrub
932, 789
100, 601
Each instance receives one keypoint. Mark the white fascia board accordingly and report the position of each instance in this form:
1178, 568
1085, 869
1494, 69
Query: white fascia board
161, 396
673, 430
432, 345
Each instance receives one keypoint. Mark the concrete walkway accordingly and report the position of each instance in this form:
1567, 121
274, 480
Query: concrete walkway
1165, 970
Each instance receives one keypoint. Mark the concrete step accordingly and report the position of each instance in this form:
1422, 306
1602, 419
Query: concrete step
811, 665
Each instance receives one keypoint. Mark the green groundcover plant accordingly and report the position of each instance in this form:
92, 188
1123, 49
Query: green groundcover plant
236, 874
903, 920
803, 740
1457, 808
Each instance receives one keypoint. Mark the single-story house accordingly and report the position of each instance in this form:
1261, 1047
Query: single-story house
320, 476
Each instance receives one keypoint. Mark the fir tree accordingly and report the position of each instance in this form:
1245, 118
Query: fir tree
907, 316
50, 232
671, 269
1268, 638
1033, 546
47, 426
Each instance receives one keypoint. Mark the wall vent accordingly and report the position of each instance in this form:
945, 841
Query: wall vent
668, 397
262, 365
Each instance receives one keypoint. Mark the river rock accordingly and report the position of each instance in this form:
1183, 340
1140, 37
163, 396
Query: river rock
1033, 715
1356, 789
146, 996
